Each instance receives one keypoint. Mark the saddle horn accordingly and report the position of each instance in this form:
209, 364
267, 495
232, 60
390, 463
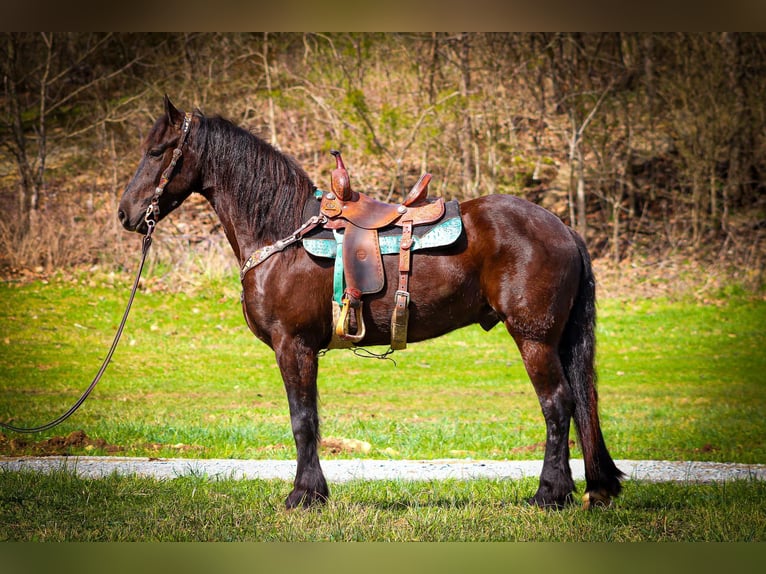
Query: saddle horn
340, 181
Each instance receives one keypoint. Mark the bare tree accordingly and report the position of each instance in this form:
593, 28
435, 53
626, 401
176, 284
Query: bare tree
43, 73
579, 90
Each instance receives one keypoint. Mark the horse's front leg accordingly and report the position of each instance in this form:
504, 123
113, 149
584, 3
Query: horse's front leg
299, 366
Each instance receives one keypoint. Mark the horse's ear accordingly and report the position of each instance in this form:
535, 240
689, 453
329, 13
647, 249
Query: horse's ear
174, 116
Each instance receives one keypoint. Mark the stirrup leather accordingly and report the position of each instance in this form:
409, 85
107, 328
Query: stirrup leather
401, 315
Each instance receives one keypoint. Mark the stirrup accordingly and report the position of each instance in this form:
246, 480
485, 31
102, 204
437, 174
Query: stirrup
341, 329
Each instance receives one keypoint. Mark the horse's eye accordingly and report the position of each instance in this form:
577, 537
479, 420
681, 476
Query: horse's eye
156, 152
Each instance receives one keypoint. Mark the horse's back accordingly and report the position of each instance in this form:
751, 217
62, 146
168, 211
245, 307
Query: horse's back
514, 259
511, 217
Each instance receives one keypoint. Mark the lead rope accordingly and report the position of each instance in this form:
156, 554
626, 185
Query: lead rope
150, 218
147, 242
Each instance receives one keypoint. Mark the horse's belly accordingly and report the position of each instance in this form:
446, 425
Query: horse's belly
444, 295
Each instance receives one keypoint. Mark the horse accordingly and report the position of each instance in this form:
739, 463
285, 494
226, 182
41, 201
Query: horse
514, 262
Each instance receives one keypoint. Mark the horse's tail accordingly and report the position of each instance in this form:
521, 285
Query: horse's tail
577, 353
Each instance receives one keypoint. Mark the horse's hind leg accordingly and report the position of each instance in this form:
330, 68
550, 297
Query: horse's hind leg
299, 368
544, 368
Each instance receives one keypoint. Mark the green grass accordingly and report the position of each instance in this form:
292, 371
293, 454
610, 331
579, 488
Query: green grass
62, 507
678, 380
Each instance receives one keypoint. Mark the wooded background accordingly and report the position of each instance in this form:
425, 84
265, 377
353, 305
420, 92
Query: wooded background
651, 145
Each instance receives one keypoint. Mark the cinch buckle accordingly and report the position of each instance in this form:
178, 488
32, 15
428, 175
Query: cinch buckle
405, 294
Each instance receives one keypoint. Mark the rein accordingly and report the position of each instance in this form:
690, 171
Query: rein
151, 222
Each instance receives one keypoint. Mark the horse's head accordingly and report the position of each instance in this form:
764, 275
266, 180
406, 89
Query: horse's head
168, 134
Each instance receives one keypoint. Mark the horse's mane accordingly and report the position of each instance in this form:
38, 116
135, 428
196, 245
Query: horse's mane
268, 187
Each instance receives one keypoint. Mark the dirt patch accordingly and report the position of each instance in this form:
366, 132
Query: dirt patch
337, 445
54, 446
77, 443
180, 447
707, 447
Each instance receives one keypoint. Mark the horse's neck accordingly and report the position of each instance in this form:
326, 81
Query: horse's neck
244, 231
225, 209
253, 222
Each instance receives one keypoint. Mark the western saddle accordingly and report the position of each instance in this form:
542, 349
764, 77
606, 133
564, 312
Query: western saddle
361, 217
355, 221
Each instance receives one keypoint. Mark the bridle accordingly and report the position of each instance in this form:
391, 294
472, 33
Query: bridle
154, 206
150, 218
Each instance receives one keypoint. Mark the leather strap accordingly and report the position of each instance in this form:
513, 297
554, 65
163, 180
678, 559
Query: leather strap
400, 316
150, 217
262, 254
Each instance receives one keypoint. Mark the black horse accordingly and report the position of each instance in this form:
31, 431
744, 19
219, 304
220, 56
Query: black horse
514, 262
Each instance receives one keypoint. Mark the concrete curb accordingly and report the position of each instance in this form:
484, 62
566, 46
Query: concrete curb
374, 469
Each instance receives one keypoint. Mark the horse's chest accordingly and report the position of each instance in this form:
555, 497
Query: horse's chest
286, 294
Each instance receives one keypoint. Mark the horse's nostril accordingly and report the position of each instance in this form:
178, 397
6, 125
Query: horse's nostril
122, 216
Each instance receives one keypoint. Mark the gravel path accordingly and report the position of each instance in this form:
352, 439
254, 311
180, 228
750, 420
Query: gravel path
367, 469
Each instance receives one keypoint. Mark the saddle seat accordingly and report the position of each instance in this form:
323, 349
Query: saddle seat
360, 218
368, 213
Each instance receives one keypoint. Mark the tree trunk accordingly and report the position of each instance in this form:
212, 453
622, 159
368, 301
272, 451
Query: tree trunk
616, 206
42, 135
433, 69
572, 173
576, 179
582, 224
741, 144
267, 72
466, 131
696, 232
19, 145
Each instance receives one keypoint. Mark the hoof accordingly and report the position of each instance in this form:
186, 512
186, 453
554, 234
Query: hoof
596, 499
305, 499
550, 503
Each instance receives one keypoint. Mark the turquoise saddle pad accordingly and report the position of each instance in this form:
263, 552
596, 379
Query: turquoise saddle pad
445, 232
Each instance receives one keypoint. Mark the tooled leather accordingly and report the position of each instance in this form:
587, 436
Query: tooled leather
368, 213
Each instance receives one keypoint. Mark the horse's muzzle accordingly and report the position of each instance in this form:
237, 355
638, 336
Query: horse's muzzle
136, 224
123, 217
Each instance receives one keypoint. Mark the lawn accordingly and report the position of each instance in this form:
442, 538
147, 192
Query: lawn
678, 380
62, 507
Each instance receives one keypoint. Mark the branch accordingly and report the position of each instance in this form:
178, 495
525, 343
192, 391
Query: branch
319, 101
422, 118
90, 84
375, 139
109, 118
595, 109
81, 59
